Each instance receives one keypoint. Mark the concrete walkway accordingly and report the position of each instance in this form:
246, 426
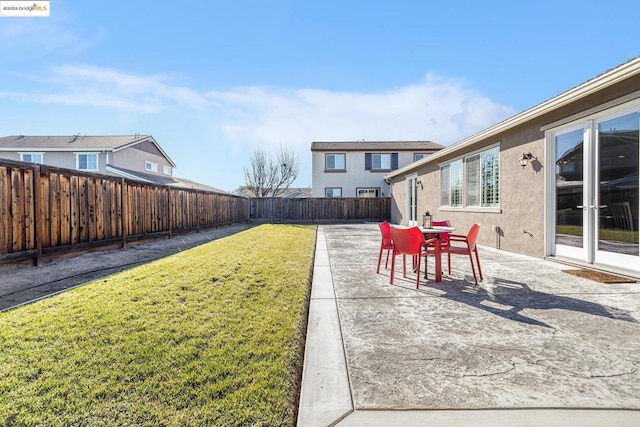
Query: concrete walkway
530, 346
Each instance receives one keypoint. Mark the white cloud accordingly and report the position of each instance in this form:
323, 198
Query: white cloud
222, 127
437, 109
112, 88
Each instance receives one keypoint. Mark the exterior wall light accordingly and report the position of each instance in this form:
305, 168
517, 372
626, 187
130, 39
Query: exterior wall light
525, 159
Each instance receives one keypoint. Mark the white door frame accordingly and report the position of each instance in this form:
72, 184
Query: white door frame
589, 253
411, 208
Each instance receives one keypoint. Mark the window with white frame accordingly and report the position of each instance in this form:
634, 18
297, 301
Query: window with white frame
381, 161
451, 184
151, 167
367, 192
31, 157
418, 156
87, 161
456, 184
166, 170
335, 162
472, 181
333, 192
490, 178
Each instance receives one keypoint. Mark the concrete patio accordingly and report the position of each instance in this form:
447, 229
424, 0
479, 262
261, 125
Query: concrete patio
531, 345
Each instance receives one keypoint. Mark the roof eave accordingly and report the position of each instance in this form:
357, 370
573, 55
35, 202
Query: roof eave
123, 174
587, 88
73, 149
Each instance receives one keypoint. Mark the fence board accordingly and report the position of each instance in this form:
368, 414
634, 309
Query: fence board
82, 209
17, 204
6, 228
74, 210
99, 212
54, 208
65, 210
29, 204
91, 209
106, 209
320, 209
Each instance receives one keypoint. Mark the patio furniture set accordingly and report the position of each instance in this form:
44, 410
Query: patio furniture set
434, 240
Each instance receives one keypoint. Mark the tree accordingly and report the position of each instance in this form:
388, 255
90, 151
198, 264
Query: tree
269, 177
242, 190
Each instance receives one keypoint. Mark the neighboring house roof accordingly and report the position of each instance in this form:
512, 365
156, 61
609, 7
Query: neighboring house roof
289, 193
172, 181
296, 193
596, 84
375, 146
76, 143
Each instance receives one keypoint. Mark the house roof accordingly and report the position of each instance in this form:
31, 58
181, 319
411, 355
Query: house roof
591, 86
76, 143
296, 193
289, 193
172, 181
375, 146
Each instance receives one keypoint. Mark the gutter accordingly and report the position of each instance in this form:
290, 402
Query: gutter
48, 149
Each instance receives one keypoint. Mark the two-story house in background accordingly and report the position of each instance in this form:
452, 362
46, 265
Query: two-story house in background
137, 157
357, 168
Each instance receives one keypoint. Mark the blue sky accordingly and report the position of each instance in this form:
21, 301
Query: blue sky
212, 80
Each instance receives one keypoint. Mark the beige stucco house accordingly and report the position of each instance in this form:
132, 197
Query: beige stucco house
357, 168
559, 180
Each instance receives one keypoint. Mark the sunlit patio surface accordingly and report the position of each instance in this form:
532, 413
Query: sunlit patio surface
529, 336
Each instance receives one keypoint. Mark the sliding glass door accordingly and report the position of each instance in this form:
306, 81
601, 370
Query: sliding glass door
571, 211
596, 190
616, 207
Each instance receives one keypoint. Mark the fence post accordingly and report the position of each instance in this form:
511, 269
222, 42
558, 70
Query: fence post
281, 203
169, 210
36, 208
123, 206
197, 214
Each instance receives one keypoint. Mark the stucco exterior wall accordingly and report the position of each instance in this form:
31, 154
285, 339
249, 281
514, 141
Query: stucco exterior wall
519, 224
355, 175
129, 158
9, 155
133, 159
61, 159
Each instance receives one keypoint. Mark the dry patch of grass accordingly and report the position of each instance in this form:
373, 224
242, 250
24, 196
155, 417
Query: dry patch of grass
210, 336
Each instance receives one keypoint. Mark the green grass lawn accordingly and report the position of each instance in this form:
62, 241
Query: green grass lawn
210, 336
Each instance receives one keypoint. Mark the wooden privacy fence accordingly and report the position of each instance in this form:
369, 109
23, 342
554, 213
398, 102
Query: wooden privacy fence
343, 209
44, 208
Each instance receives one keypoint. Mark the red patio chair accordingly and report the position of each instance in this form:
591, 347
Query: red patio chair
469, 248
444, 237
408, 241
385, 245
